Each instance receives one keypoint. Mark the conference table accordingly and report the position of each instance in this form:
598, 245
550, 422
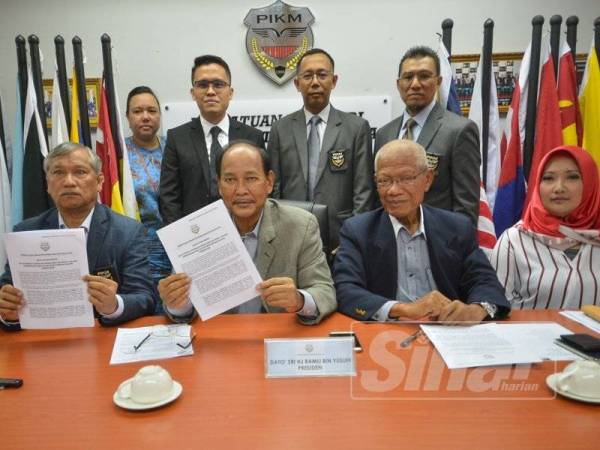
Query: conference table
400, 398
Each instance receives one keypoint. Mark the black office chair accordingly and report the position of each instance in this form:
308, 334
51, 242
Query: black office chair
321, 213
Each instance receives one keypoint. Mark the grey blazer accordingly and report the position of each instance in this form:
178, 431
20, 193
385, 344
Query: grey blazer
185, 172
452, 145
345, 172
289, 245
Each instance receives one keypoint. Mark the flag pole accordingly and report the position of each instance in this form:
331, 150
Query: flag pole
555, 23
597, 37
534, 70
572, 22
447, 25
488, 38
36, 73
59, 45
81, 92
22, 70
110, 92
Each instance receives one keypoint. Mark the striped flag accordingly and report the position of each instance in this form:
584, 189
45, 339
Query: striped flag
35, 196
570, 116
129, 202
589, 101
449, 99
105, 149
510, 195
60, 132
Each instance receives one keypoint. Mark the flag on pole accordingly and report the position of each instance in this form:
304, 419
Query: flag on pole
129, 202
570, 116
35, 196
447, 95
105, 149
60, 132
510, 194
589, 101
548, 125
75, 121
476, 114
449, 100
16, 211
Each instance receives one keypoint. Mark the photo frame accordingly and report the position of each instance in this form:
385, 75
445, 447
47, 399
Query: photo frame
92, 87
505, 68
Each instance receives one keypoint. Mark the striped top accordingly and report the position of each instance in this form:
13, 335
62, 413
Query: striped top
537, 275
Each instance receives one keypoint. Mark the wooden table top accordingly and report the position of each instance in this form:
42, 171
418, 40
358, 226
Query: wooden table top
400, 398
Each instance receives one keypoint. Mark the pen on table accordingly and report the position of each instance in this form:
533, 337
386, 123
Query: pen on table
136, 347
188, 344
406, 342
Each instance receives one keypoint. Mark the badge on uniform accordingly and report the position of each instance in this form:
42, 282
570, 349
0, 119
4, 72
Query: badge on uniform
337, 159
107, 272
433, 161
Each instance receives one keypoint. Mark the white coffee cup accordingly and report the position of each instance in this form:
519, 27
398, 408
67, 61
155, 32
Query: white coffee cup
581, 378
151, 384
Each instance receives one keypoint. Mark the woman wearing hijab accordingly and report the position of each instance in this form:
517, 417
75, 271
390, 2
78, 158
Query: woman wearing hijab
145, 149
551, 259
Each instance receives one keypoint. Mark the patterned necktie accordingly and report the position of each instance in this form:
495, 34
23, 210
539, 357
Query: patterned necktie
215, 151
314, 150
408, 134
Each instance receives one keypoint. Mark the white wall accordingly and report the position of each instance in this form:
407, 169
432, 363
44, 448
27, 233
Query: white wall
155, 41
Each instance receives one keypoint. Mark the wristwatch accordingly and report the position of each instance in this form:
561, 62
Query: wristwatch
490, 309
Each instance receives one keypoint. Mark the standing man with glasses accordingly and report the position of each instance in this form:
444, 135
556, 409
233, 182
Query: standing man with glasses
412, 261
451, 141
322, 154
188, 179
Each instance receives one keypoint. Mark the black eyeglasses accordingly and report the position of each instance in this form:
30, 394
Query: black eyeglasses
203, 85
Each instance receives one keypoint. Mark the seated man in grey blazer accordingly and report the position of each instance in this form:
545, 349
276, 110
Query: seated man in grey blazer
450, 140
322, 154
188, 179
119, 285
283, 241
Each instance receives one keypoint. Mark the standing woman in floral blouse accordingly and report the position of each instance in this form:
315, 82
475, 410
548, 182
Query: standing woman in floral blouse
145, 150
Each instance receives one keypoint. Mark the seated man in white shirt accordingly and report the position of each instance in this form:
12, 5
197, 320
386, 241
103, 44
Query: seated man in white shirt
283, 241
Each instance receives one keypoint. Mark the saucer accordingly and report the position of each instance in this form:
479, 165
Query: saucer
128, 403
551, 382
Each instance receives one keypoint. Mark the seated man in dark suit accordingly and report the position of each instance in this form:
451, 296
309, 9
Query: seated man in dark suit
115, 243
412, 261
188, 179
283, 241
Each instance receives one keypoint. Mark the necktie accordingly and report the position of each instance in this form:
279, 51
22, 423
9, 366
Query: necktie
314, 150
408, 134
215, 151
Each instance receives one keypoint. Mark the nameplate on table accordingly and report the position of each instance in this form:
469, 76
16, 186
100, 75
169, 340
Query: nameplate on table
312, 357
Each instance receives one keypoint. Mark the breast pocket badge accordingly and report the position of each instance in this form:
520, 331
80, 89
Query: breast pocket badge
337, 160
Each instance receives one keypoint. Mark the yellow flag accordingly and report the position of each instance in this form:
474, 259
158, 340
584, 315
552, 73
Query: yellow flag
589, 101
75, 124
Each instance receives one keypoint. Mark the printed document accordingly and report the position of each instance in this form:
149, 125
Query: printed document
492, 344
47, 266
207, 246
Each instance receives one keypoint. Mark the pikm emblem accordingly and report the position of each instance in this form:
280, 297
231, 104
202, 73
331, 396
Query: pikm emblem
278, 35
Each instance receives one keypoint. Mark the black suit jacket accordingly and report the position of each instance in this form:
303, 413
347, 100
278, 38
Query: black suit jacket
185, 171
366, 265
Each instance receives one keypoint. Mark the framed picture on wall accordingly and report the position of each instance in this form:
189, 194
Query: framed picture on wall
505, 68
92, 88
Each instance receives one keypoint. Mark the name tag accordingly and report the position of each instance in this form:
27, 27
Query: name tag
314, 357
